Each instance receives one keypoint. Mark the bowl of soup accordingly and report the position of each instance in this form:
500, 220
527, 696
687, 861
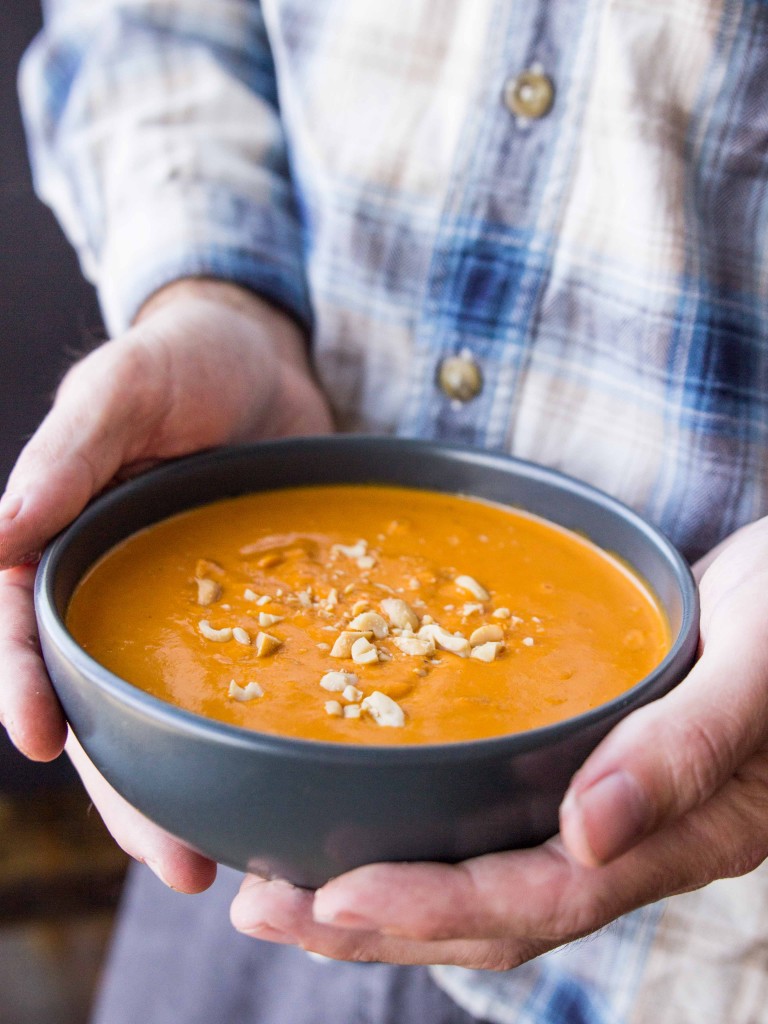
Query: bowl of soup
306, 655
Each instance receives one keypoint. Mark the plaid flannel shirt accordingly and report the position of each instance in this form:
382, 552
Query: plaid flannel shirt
602, 264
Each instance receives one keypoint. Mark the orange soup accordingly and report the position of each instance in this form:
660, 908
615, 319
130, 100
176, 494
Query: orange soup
369, 614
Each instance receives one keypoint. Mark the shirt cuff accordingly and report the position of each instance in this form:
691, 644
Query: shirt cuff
201, 231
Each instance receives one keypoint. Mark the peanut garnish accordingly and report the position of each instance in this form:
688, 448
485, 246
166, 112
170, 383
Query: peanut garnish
501, 613
242, 636
219, 635
371, 622
208, 591
358, 550
470, 584
414, 645
486, 634
204, 567
250, 595
363, 652
244, 693
487, 651
269, 620
351, 694
332, 707
366, 562
383, 710
337, 682
343, 646
266, 644
456, 644
351, 711
400, 613
528, 641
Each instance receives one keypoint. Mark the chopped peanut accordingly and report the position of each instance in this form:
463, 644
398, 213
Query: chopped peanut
486, 634
371, 622
383, 710
486, 651
400, 613
205, 567
337, 682
208, 592
363, 652
266, 644
219, 635
470, 584
444, 640
358, 550
343, 646
414, 645
243, 693
266, 619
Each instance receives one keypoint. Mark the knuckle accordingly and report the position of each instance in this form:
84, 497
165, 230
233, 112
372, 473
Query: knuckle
505, 956
702, 756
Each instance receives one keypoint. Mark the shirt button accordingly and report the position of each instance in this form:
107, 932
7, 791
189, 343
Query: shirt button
459, 377
530, 94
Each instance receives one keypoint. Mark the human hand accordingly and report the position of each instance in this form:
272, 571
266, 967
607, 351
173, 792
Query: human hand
675, 797
206, 364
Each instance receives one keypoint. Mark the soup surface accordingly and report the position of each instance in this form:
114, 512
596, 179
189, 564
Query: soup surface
369, 614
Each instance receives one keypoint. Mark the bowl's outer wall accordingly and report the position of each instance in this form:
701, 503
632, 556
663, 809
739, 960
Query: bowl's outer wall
309, 811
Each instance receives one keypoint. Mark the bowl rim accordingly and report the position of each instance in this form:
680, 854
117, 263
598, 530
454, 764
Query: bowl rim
192, 724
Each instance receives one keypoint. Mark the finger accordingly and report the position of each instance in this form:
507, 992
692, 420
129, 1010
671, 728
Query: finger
176, 865
276, 911
29, 708
672, 755
105, 409
543, 897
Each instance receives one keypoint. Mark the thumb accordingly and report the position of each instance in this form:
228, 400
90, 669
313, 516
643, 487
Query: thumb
666, 758
103, 413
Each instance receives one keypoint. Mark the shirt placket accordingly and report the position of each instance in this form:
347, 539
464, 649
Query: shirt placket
495, 244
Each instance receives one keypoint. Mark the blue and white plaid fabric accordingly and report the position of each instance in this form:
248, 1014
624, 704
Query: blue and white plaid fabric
605, 265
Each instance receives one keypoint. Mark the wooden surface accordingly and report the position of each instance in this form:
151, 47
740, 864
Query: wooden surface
60, 880
56, 857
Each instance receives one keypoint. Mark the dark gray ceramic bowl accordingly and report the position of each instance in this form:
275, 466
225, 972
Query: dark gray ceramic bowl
308, 810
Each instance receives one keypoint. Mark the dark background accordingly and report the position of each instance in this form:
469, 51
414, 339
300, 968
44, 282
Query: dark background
48, 312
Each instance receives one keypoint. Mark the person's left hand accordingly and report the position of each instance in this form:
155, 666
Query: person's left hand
675, 797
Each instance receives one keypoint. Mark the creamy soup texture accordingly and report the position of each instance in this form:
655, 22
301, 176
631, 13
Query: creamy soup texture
369, 614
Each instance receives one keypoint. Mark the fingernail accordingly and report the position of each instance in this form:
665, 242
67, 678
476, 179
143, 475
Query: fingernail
344, 919
10, 505
156, 870
607, 819
267, 933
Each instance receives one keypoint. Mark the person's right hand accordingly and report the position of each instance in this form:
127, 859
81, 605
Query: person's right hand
207, 363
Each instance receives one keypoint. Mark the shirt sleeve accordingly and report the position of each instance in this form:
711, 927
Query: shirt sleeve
155, 136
